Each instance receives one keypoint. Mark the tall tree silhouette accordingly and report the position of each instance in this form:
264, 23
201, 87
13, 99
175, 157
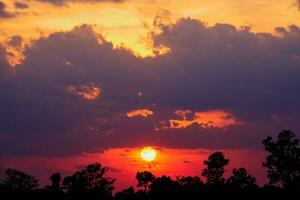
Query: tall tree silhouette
241, 179
144, 179
19, 181
214, 171
91, 180
283, 160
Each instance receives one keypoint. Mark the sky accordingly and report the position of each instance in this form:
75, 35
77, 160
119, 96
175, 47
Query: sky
96, 80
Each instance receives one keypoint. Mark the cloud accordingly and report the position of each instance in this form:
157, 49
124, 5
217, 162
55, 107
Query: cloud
207, 119
213, 76
4, 13
64, 2
20, 5
15, 41
139, 113
89, 91
298, 4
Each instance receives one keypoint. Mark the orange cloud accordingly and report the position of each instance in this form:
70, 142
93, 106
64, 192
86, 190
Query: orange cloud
89, 91
140, 113
207, 119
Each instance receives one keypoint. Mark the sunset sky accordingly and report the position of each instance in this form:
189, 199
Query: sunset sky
87, 81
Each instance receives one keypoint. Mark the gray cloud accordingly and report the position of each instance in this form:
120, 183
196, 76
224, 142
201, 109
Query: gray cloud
3, 12
15, 41
256, 77
20, 5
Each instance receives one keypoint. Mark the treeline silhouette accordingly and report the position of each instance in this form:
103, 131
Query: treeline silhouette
282, 164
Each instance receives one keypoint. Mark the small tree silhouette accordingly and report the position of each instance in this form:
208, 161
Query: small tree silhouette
241, 179
283, 161
55, 182
19, 181
144, 179
215, 168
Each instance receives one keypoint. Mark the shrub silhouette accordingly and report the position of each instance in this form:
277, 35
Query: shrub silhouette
283, 161
214, 172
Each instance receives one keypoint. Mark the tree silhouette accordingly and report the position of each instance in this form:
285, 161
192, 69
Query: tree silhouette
19, 181
56, 179
144, 179
164, 187
241, 179
283, 161
190, 186
126, 194
215, 168
55, 183
189, 181
91, 180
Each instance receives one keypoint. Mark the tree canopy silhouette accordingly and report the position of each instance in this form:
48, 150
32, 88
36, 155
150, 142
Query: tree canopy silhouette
90, 180
144, 179
55, 182
214, 172
126, 194
164, 187
241, 179
18, 181
283, 160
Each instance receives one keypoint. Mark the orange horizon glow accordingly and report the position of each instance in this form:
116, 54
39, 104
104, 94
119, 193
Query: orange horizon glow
125, 162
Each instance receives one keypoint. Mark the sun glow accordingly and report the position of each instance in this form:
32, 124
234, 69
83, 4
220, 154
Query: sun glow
148, 154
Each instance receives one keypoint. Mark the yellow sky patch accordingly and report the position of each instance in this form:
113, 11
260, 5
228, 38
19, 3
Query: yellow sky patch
126, 23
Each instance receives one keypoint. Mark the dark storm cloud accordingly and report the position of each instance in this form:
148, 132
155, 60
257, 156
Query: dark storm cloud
221, 66
3, 12
256, 77
63, 2
20, 5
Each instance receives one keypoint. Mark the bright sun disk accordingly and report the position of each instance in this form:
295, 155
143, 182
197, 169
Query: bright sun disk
148, 154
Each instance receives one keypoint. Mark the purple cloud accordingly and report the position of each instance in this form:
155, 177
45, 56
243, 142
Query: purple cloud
252, 76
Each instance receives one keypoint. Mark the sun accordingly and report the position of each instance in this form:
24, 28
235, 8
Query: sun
148, 154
